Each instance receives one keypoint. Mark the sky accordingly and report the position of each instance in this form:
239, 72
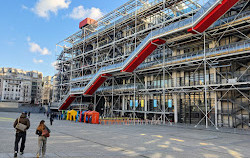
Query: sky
30, 29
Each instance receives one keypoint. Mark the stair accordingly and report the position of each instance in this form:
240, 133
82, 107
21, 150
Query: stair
97, 83
212, 16
67, 101
143, 55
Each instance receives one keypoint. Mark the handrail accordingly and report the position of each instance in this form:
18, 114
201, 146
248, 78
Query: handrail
209, 52
64, 99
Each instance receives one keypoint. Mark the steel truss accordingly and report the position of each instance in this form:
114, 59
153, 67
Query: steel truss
219, 57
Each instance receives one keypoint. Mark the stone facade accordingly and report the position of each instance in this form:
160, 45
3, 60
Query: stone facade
17, 85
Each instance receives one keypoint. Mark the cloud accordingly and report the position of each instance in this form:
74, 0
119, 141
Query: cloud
36, 48
10, 42
28, 39
37, 61
80, 13
43, 8
24, 7
54, 64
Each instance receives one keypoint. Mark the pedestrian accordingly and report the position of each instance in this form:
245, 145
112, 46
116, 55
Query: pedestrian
43, 133
51, 120
28, 114
21, 125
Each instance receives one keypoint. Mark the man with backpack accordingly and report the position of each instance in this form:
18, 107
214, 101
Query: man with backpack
21, 125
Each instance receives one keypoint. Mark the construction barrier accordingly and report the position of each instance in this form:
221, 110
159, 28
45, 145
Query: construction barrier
129, 122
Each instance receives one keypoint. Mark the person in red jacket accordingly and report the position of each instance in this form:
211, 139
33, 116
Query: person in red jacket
21, 134
42, 139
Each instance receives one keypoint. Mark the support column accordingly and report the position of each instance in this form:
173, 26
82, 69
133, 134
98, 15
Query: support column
174, 73
145, 106
123, 105
112, 102
105, 107
94, 101
174, 79
81, 103
219, 107
145, 98
205, 78
164, 93
175, 108
215, 76
134, 99
215, 110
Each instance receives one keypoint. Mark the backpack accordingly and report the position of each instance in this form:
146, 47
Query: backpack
20, 126
45, 132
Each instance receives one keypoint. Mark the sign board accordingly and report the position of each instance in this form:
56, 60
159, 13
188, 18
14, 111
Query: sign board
170, 103
131, 103
155, 103
136, 103
142, 103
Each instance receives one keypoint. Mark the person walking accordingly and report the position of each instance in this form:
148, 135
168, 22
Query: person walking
43, 133
51, 120
21, 124
28, 114
59, 116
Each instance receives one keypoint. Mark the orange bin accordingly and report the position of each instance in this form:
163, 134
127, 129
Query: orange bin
93, 116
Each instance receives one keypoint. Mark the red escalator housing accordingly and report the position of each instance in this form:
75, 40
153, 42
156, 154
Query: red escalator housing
143, 55
214, 15
67, 102
98, 82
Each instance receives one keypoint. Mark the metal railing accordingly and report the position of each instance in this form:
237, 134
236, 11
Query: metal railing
222, 50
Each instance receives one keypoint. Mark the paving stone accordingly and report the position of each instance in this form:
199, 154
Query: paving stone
28, 155
4, 155
52, 155
70, 139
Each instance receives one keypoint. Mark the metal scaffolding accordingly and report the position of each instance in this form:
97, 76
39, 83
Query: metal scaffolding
191, 78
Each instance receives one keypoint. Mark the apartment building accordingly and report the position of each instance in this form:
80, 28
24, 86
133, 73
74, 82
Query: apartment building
47, 89
17, 85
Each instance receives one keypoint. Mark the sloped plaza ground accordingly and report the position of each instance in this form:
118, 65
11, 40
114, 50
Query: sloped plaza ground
70, 139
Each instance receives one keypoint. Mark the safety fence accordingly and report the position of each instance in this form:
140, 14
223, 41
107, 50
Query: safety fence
130, 122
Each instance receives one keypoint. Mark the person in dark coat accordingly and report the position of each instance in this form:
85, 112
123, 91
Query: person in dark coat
59, 116
51, 120
21, 134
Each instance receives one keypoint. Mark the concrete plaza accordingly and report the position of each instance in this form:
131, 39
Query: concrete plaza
70, 139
